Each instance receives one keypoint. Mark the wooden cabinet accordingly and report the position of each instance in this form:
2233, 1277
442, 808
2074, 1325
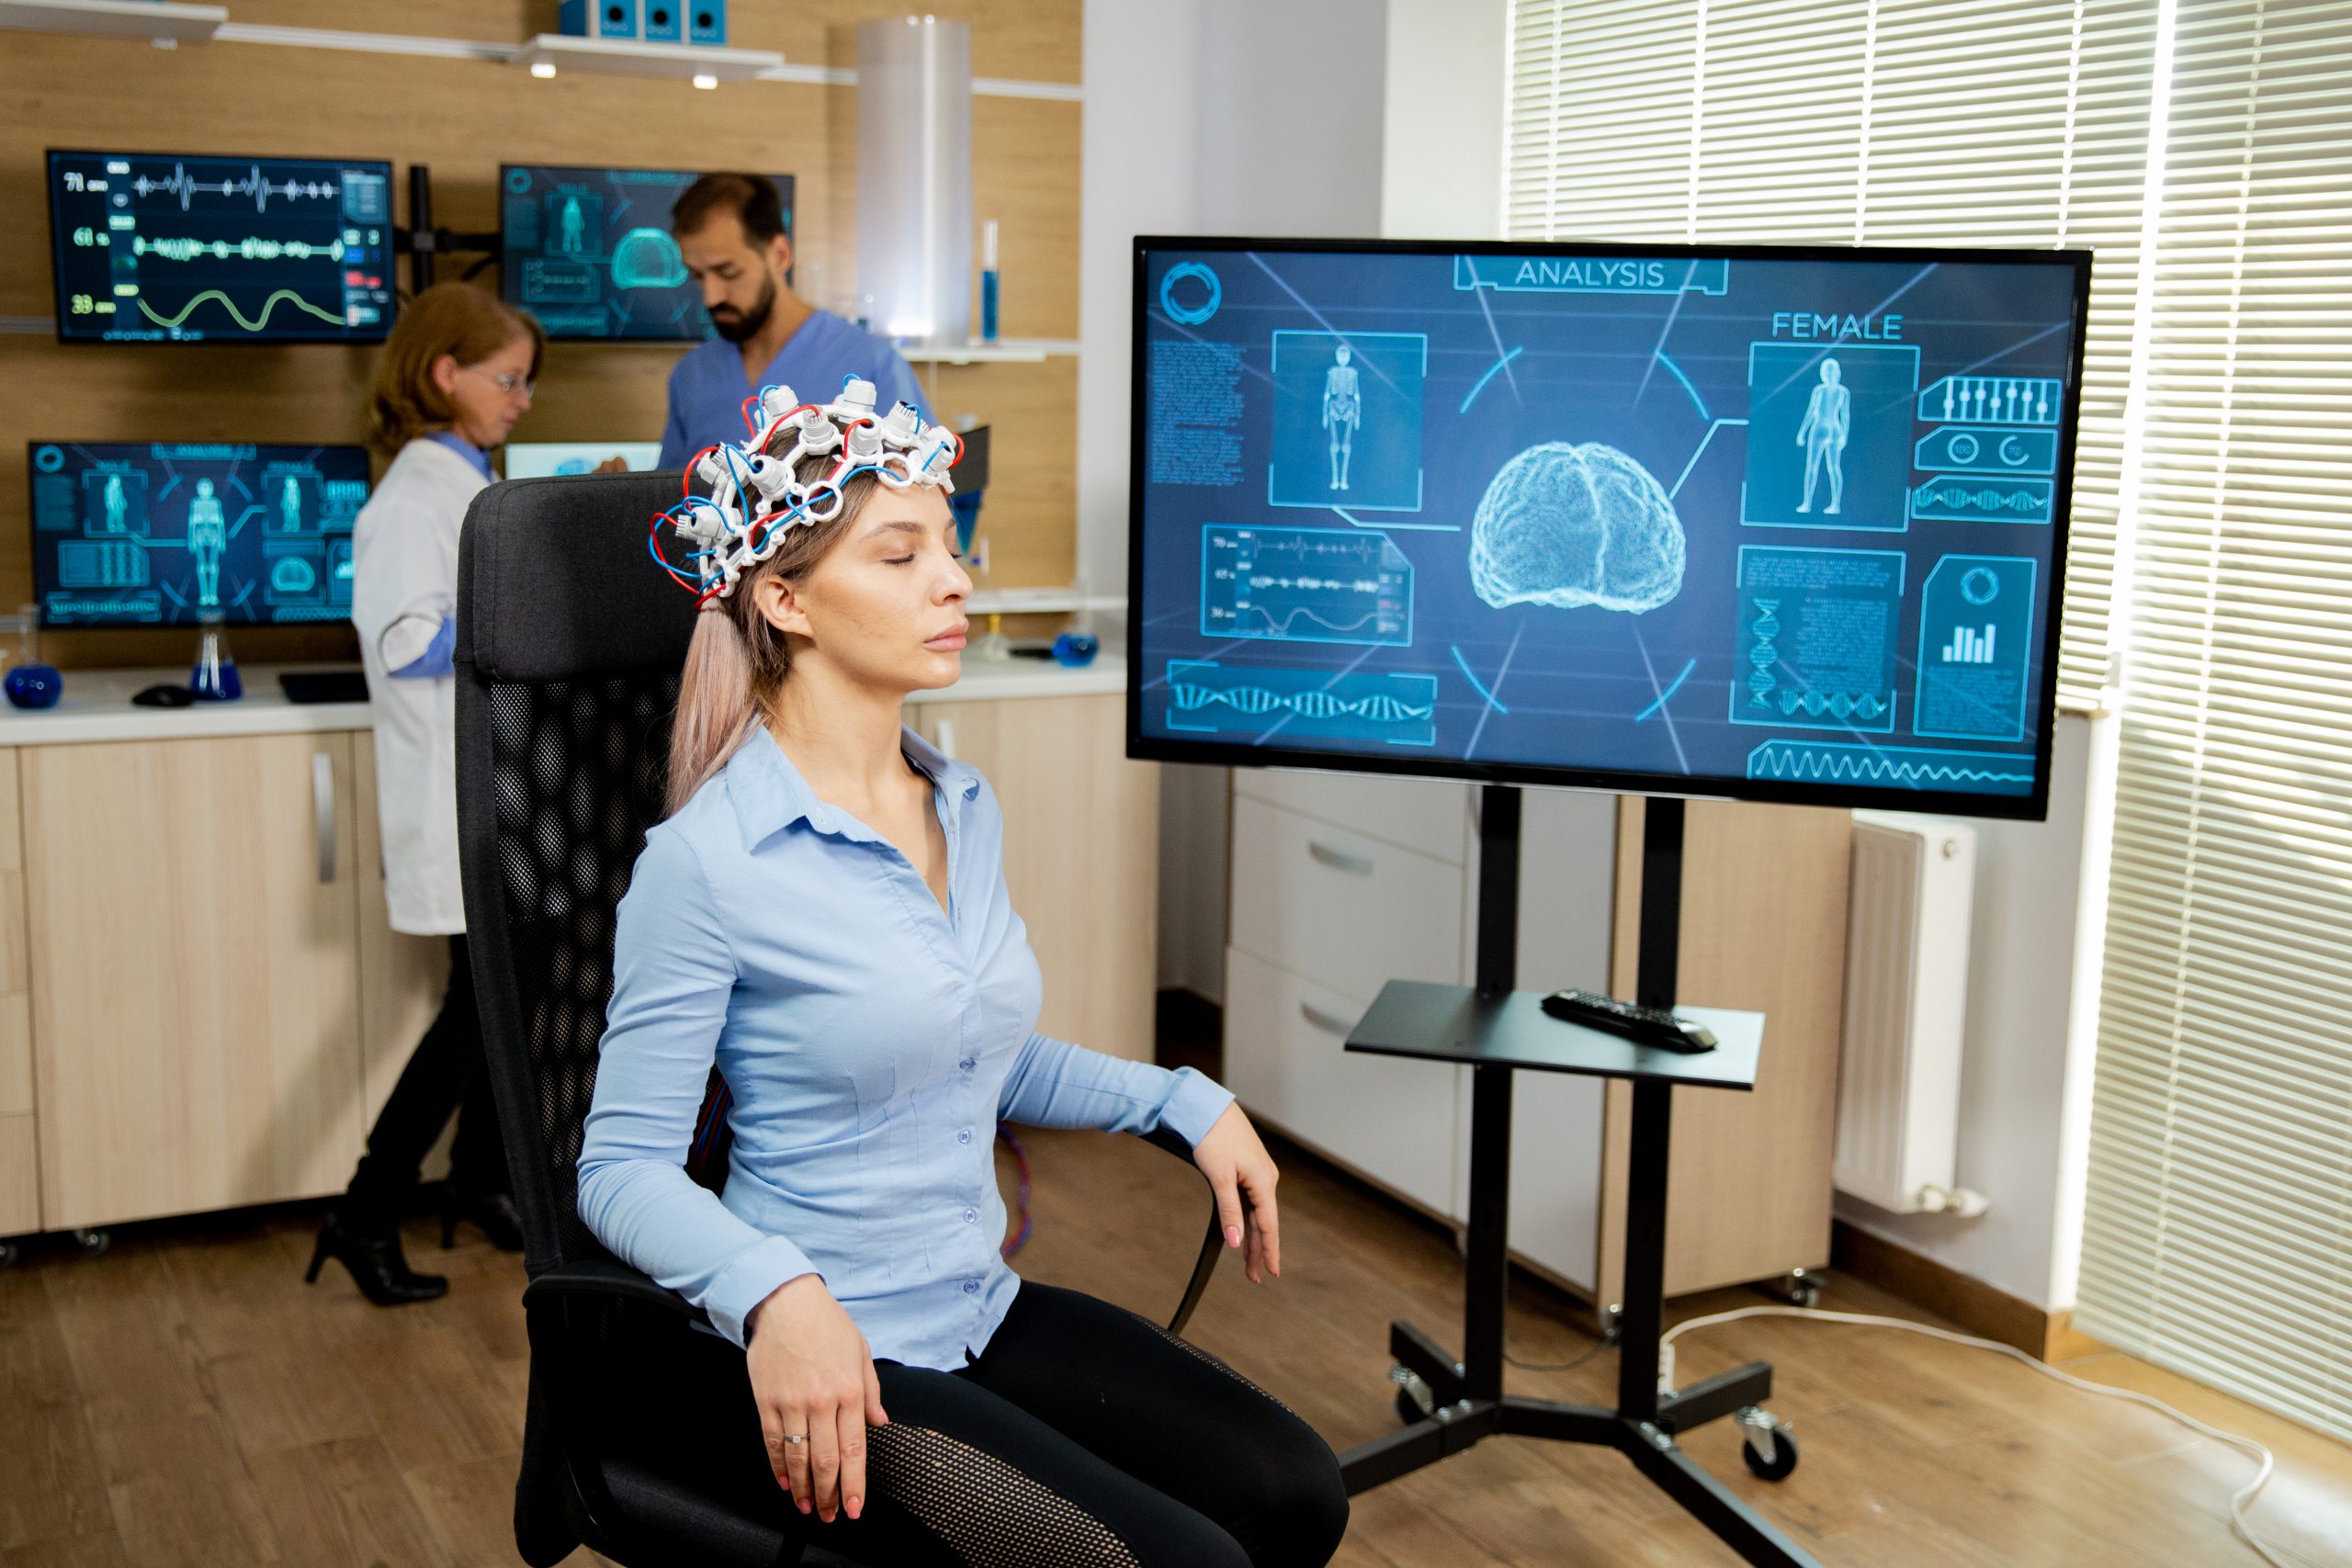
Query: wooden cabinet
1081, 853
195, 972
19, 1144
1340, 883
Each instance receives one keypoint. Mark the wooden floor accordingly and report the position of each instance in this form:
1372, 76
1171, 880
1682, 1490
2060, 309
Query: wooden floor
184, 1399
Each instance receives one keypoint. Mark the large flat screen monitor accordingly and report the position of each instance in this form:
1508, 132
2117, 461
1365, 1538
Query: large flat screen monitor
1765, 523
589, 251
169, 247
158, 532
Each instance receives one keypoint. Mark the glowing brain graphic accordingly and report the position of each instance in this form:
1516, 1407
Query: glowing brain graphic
1566, 524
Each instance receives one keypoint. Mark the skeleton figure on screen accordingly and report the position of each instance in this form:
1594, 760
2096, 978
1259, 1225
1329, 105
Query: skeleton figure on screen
1828, 416
1343, 414
208, 538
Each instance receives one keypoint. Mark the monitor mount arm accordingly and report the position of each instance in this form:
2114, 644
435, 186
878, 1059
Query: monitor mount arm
420, 242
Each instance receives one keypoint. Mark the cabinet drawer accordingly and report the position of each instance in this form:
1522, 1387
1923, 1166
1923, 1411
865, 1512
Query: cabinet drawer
1340, 907
1431, 815
1390, 1119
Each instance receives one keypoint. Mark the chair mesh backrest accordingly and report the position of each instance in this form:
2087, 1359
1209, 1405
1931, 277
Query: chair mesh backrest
578, 771
569, 645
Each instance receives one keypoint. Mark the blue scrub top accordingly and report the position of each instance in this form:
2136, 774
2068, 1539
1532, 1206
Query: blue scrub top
708, 387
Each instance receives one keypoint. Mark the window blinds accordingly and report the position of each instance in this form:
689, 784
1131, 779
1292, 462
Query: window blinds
1902, 121
2219, 1227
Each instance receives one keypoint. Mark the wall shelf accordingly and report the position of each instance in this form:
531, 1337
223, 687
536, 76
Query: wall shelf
168, 26
1015, 351
622, 57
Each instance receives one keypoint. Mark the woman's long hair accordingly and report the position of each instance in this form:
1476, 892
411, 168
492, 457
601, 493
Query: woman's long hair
470, 324
738, 659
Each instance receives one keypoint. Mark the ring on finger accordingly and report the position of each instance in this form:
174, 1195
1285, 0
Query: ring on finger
795, 1437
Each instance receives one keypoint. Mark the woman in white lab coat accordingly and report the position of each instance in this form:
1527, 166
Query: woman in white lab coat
456, 375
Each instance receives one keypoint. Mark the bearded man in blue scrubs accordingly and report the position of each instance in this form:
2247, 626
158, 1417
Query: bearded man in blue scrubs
730, 228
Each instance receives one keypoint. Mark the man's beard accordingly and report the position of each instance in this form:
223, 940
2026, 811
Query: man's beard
746, 326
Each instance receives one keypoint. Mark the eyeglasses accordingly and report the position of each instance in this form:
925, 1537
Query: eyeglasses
507, 381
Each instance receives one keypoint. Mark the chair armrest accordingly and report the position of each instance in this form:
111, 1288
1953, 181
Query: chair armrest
1205, 1266
605, 1277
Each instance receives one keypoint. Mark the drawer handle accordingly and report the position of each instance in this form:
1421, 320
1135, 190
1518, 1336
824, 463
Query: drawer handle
322, 808
1324, 1021
1340, 860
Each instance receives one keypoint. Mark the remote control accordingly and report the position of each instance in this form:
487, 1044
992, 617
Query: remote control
1644, 1026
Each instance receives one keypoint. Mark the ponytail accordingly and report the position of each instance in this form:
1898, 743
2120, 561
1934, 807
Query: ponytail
717, 707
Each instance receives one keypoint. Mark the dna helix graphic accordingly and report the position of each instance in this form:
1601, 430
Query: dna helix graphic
1379, 707
1838, 705
1983, 498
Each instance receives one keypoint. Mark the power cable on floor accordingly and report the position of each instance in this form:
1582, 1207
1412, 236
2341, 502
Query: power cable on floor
2239, 1501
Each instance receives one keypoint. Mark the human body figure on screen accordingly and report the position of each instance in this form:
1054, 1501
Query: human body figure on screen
574, 231
900, 1392
455, 375
116, 505
1343, 414
290, 506
1828, 416
208, 537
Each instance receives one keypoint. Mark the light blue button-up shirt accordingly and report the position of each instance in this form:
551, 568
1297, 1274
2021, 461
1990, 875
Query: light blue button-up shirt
872, 1041
707, 387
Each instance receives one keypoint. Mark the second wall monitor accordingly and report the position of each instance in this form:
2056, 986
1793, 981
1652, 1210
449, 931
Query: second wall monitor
590, 254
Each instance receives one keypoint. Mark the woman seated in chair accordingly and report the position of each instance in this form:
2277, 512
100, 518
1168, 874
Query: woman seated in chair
824, 915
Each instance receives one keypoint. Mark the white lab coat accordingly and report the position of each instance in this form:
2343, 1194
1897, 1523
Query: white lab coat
404, 583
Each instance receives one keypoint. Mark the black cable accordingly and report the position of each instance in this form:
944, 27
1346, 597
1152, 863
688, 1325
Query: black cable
1607, 1340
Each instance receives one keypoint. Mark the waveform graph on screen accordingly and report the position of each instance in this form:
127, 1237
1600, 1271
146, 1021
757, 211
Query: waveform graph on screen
179, 248
1263, 703
1333, 585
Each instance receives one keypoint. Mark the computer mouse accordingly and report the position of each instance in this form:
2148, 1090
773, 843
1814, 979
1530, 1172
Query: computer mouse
163, 696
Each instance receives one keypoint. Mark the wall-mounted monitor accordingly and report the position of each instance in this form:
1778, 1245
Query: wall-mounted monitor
540, 460
169, 247
1767, 522
158, 534
589, 253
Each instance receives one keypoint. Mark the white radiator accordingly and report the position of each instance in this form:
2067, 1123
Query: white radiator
1906, 989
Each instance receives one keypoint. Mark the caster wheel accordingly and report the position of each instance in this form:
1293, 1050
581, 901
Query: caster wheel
1767, 1445
7, 1254
1798, 1287
93, 1242
1415, 1400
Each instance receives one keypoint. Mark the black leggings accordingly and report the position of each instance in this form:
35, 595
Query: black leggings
1084, 1437
444, 1074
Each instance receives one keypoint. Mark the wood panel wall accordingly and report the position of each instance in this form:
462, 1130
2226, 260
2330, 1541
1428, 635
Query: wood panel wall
463, 118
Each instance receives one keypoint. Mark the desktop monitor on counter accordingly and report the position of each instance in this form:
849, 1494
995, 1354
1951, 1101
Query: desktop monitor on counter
161, 533
589, 251
1765, 523
170, 247
537, 459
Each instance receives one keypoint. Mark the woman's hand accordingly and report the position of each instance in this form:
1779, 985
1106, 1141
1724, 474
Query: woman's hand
1242, 1173
812, 1375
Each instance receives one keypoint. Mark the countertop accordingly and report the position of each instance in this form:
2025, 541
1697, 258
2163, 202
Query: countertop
96, 703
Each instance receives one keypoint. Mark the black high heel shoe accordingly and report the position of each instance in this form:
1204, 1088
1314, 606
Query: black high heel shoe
377, 1266
492, 1213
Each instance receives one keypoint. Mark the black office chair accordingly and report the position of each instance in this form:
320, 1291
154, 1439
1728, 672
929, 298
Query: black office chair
568, 648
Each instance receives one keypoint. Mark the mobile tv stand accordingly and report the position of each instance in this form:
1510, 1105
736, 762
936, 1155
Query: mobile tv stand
1497, 1031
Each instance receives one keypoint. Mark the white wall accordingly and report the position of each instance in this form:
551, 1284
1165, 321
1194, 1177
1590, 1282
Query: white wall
1208, 117
2024, 1111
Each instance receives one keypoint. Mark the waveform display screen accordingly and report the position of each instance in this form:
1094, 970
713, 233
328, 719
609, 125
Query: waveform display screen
1768, 523
589, 251
170, 248
160, 533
